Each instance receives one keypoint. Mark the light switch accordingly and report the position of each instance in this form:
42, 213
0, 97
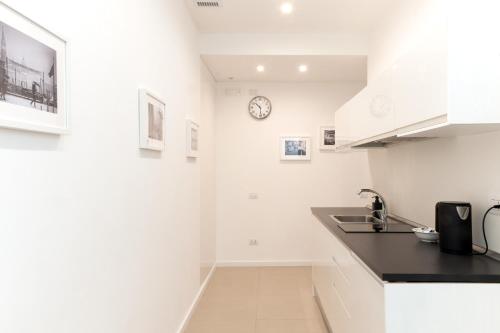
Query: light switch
253, 196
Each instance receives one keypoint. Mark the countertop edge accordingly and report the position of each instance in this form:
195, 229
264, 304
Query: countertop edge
383, 277
393, 277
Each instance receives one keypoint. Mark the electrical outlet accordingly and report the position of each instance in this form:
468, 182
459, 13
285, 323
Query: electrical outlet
252, 242
494, 200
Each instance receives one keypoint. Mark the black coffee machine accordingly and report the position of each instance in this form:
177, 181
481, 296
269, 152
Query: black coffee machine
454, 224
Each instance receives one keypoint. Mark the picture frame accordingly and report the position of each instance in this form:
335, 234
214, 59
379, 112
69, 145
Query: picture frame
151, 121
327, 138
34, 72
295, 148
192, 139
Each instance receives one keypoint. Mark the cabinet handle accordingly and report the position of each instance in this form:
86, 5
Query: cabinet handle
342, 303
346, 279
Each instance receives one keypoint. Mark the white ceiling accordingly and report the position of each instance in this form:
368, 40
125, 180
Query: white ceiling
283, 68
309, 16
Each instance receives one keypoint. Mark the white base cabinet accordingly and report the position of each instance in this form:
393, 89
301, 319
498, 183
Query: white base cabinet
354, 300
351, 297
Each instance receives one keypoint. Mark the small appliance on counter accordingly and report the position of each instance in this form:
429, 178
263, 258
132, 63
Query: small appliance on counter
426, 234
454, 224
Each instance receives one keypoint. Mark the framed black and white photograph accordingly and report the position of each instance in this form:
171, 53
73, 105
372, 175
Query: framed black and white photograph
192, 138
152, 121
33, 75
295, 148
327, 138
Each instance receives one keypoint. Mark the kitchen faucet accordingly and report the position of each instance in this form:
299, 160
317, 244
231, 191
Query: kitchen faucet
383, 213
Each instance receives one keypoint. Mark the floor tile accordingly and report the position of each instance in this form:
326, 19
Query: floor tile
237, 309
263, 300
280, 307
224, 326
289, 326
283, 280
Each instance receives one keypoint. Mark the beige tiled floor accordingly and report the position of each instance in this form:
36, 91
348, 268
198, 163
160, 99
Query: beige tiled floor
258, 300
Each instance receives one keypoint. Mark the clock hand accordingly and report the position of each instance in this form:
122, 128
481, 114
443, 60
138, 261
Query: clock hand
260, 108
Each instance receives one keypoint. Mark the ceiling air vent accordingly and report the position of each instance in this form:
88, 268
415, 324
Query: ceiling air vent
208, 3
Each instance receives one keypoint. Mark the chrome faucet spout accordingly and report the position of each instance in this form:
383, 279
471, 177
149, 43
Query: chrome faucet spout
384, 211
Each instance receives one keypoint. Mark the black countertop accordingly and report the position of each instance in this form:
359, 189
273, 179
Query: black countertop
396, 257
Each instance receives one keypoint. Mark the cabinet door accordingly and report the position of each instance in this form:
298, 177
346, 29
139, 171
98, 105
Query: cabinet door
380, 108
420, 83
370, 311
352, 299
343, 122
373, 109
324, 282
360, 124
474, 63
361, 294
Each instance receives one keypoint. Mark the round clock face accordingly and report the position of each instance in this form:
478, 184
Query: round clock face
260, 107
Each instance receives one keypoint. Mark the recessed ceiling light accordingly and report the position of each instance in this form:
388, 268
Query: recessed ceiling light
303, 68
286, 8
260, 68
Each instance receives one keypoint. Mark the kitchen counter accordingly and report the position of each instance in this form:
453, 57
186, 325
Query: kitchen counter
399, 257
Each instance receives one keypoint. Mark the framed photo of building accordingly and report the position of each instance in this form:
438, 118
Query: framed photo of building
151, 121
192, 138
295, 148
327, 138
33, 75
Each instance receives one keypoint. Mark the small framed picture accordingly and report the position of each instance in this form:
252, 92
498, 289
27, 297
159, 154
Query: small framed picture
295, 148
327, 138
33, 76
192, 137
151, 121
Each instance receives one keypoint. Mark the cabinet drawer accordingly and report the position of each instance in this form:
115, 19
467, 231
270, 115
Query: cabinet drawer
336, 311
361, 291
352, 298
340, 279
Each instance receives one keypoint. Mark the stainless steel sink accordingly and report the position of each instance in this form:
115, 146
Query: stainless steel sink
360, 219
368, 223
364, 219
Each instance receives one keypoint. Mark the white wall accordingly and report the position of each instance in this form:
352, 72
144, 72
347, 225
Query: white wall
248, 161
98, 236
207, 177
414, 176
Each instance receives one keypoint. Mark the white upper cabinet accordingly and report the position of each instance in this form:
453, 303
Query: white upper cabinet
343, 124
474, 62
380, 113
359, 108
419, 81
447, 83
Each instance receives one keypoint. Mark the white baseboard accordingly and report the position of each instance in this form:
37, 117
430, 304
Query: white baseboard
192, 308
264, 263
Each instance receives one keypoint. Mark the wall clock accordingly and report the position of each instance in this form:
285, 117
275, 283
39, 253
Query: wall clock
260, 107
